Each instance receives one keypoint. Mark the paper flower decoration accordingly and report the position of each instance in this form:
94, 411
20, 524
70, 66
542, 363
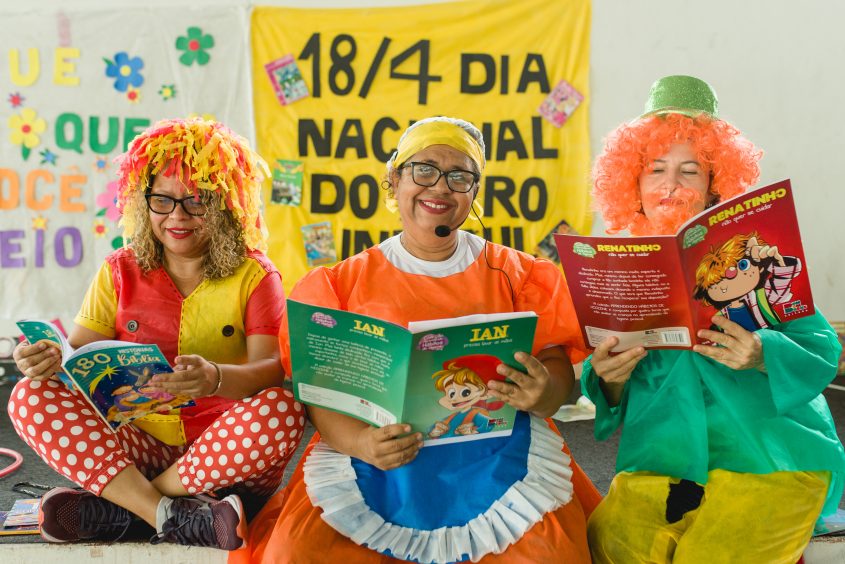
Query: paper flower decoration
194, 45
100, 228
101, 164
15, 99
108, 200
48, 157
125, 70
25, 129
133, 95
167, 91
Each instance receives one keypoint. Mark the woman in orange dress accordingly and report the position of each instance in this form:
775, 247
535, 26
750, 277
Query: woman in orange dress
366, 494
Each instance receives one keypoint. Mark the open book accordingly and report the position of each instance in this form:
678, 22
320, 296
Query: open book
741, 258
111, 375
432, 375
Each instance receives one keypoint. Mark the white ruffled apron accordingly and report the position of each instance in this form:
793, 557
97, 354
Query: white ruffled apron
454, 502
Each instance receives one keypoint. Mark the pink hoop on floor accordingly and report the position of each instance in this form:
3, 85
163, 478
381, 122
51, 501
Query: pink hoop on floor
18, 459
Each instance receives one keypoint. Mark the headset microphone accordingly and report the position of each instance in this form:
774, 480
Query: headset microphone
444, 230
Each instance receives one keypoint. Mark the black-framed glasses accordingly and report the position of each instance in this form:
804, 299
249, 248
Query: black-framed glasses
159, 203
425, 174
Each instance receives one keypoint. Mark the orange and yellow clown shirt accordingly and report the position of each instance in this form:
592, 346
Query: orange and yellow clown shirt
214, 321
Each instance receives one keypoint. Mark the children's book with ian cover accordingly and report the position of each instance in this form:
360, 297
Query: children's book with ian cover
434, 375
741, 258
111, 375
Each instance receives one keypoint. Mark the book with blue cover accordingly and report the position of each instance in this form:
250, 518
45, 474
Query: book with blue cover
113, 376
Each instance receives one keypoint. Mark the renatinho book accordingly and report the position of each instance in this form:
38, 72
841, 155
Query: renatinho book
111, 375
432, 375
741, 258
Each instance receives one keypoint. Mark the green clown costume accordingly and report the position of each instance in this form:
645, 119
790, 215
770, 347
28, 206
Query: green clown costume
717, 464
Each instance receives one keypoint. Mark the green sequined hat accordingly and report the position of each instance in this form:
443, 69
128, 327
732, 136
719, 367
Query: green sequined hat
681, 94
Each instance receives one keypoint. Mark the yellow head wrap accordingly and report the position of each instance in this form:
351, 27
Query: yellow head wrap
437, 131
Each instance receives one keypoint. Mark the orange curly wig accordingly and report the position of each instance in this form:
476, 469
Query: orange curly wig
632, 147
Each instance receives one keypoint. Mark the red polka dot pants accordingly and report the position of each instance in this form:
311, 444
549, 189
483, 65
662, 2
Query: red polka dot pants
248, 446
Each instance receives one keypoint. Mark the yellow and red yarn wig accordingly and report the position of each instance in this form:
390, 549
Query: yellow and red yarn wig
205, 155
632, 147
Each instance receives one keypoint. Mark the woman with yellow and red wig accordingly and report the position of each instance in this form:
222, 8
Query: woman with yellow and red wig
728, 453
364, 494
192, 279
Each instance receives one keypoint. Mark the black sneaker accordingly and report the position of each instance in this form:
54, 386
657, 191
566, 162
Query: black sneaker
68, 515
203, 521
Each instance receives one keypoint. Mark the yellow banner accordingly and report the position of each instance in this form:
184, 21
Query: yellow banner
334, 89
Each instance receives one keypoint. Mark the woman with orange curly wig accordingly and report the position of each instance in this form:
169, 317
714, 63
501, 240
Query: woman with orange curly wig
728, 453
720, 157
193, 280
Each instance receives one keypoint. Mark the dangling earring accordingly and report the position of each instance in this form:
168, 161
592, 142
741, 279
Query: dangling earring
390, 201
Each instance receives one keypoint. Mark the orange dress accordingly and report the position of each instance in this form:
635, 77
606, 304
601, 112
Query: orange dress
290, 528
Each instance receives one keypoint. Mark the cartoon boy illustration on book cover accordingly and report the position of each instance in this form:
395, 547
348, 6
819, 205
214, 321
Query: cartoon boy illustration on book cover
463, 382
744, 278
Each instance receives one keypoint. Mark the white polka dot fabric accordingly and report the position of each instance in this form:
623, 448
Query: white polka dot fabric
250, 444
